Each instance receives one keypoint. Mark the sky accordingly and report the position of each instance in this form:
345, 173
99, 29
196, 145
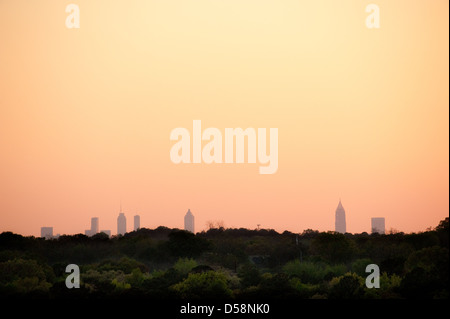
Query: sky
86, 113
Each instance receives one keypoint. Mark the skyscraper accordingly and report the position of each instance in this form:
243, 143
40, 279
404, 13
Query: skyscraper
47, 232
378, 225
121, 224
189, 221
339, 224
137, 222
94, 227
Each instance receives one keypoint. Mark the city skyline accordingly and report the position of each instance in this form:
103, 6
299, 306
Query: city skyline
361, 114
378, 224
206, 219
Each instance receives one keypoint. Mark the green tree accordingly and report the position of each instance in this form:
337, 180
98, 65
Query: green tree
185, 244
359, 266
313, 273
442, 231
349, 286
308, 272
426, 274
249, 275
207, 285
333, 247
136, 278
277, 286
124, 264
389, 288
25, 276
99, 283
185, 265
304, 290
432, 259
158, 284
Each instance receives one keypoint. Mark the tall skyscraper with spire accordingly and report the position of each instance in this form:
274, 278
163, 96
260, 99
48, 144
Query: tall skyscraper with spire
121, 223
339, 223
189, 221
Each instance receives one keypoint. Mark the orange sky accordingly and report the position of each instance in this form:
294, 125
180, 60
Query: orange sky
86, 114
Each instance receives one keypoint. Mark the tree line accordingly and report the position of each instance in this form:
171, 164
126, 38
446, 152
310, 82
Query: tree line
227, 263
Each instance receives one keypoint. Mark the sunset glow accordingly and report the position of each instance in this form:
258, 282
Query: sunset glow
86, 114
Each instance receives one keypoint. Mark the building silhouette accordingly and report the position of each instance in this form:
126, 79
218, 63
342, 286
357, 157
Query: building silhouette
137, 222
47, 232
378, 225
94, 227
339, 223
189, 222
121, 224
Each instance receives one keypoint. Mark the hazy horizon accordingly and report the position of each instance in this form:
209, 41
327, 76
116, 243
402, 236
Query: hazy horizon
86, 114
212, 224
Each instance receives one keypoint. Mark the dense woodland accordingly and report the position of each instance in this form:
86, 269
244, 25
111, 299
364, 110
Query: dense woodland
222, 263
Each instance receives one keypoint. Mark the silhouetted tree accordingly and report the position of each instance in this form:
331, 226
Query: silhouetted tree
249, 275
347, 287
333, 247
185, 244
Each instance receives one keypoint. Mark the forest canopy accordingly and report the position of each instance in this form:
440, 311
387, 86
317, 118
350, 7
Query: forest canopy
167, 263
